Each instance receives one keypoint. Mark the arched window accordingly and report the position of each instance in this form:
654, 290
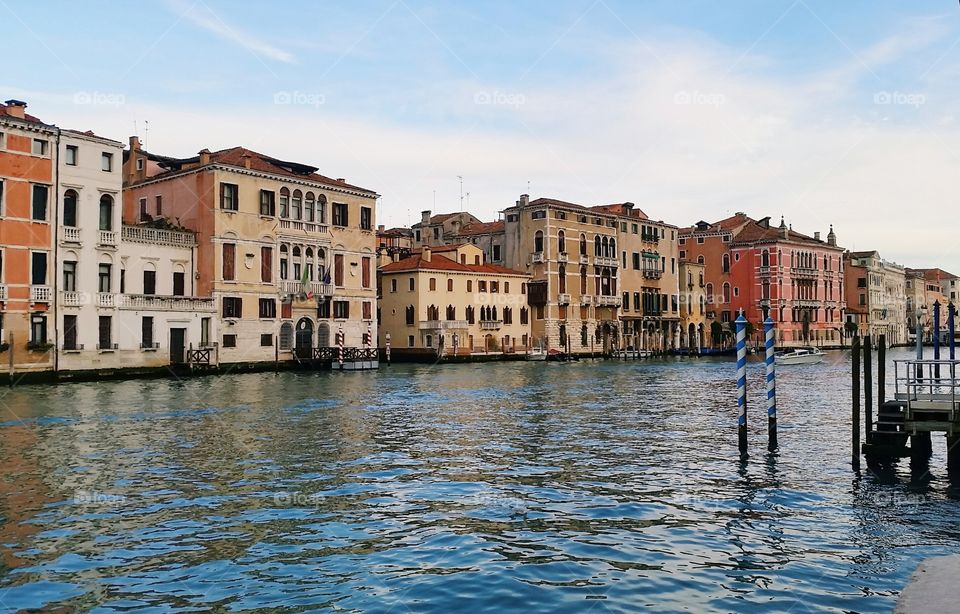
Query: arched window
604, 247
451, 312
700, 259
726, 292
286, 336
284, 203
106, 212
284, 262
710, 297
471, 314
322, 209
583, 280
309, 263
765, 258
596, 246
765, 290
296, 205
563, 279
583, 244
561, 242
613, 248
726, 263
605, 288
70, 208
538, 242
308, 207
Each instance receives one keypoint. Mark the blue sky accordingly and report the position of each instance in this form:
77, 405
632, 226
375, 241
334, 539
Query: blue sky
822, 111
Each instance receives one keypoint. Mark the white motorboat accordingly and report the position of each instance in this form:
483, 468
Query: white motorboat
537, 353
799, 356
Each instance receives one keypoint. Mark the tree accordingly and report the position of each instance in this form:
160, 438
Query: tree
851, 328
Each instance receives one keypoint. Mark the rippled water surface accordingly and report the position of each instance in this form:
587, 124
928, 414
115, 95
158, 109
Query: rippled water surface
597, 486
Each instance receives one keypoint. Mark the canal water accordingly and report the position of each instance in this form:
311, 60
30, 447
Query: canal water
587, 487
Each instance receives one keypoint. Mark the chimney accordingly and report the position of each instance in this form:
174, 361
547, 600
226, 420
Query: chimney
425, 217
425, 254
396, 256
816, 235
15, 108
246, 159
380, 227
134, 143
831, 238
524, 200
204, 156
784, 233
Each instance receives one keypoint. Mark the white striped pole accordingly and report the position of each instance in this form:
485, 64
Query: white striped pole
741, 323
388, 348
340, 346
771, 387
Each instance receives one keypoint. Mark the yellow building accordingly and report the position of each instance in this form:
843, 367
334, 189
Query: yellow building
447, 299
693, 306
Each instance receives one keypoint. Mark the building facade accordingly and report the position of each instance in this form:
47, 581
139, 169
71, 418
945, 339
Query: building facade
448, 300
28, 159
440, 229
288, 255
876, 296
693, 306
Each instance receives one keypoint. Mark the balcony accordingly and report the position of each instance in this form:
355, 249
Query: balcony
107, 347
608, 301
315, 287
106, 300
585, 299
107, 238
73, 299
807, 303
40, 294
606, 261
537, 258
72, 348
310, 227
584, 259
803, 272
3, 292
652, 274
563, 299
562, 257
491, 324
157, 236
442, 324
150, 302
71, 234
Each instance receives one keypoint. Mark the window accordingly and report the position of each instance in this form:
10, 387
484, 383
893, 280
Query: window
308, 207
267, 203
296, 205
1, 191
179, 281
229, 341
495, 285
726, 263
524, 316
105, 333
340, 214
433, 284
70, 209
268, 309
266, 340
229, 261
103, 274
286, 336
146, 332
39, 147
561, 242
70, 157
149, 282
106, 162
123, 281
481, 286
409, 315
106, 212
338, 270
284, 203
322, 209
139, 164
205, 332
365, 272
70, 276
450, 285
367, 310
159, 202
38, 271
70, 333
366, 218
393, 285
341, 309
266, 264
144, 216
410, 342
40, 198
228, 197
232, 307
410, 284
538, 241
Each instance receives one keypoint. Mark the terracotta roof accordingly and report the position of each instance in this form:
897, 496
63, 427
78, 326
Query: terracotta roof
235, 156
554, 201
395, 232
482, 228
26, 116
936, 274
415, 262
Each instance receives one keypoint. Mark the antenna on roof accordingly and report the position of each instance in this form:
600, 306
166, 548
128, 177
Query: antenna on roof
146, 132
468, 201
460, 177
528, 186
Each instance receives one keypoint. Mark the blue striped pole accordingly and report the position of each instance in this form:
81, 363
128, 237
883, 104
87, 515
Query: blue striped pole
741, 323
771, 387
936, 337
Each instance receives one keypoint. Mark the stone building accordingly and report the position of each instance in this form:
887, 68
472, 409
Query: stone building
693, 306
447, 299
440, 229
876, 296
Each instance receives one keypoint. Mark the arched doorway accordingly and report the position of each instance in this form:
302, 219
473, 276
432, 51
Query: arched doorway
304, 346
692, 336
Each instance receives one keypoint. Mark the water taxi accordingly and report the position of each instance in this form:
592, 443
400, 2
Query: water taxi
799, 356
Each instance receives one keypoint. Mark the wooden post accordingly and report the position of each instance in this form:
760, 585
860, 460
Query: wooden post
276, 355
868, 388
855, 370
881, 371
10, 358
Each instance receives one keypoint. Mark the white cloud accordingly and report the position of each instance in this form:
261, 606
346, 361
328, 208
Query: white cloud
203, 16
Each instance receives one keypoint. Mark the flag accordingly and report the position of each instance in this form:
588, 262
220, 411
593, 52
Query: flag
306, 276
326, 277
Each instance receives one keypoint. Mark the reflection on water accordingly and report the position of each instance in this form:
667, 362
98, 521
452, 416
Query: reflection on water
494, 487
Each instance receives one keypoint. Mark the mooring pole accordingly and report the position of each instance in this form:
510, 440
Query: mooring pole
741, 325
388, 349
936, 338
919, 336
340, 346
881, 371
771, 387
868, 387
951, 329
855, 450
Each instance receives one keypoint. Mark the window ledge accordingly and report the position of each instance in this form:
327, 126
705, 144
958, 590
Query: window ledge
267, 217
149, 349
105, 351
72, 351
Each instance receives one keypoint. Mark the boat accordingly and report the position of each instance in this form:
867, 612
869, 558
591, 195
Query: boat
537, 353
799, 356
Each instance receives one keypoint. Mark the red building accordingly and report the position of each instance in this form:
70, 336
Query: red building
765, 270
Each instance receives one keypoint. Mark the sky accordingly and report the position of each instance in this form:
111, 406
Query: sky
820, 111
